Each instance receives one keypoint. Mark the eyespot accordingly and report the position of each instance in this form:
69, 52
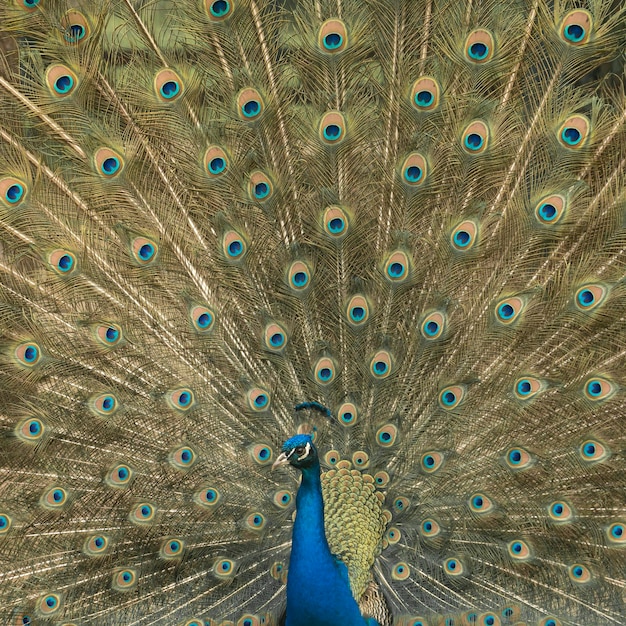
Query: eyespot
430, 528
208, 497
28, 354
332, 128
108, 163
431, 462
592, 451
142, 513
216, 161
433, 325
250, 104
109, 334
172, 548
61, 80
282, 499
480, 503
347, 414
381, 365
414, 170
62, 262
332, 457
181, 399
479, 46
299, 276
75, 27
30, 430
579, 573
250, 620
255, 521
397, 267
258, 399
277, 570
590, 296
550, 209
576, 27
357, 311
262, 454
401, 504
30, 5
463, 237
275, 337
560, 512
574, 131
425, 94
183, 458
5, 523
224, 568
453, 567
124, 579
260, 188
168, 85
528, 387
488, 619
451, 397
508, 310
381, 479
325, 371
144, 250
54, 498
519, 550
195, 622
511, 612
616, 533
234, 246
475, 137
119, 476
105, 404
400, 571
49, 604
333, 36
203, 318
599, 389
393, 535
335, 222
386, 435
96, 545
218, 10
12, 191
361, 459
518, 459
549, 621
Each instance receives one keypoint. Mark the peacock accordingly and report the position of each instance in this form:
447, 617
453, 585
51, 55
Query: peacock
312, 313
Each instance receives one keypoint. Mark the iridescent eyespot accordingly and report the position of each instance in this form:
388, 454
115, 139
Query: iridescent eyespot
433, 325
224, 568
453, 567
182, 458
109, 334
5, 523
401, 504
560, 512
30, 5
216, 161
260, 187
105, 404
508, 310
397, 267
275, 337
347, 414
400, 571
255, 521
576, 27
550, 209
63, 262
414, 170
479, 46
333, 36
381, 365
49, 604
599, 389
258, 399
75, 27
425, 94
283, 498
451, 397
549, 621
250, 104
528, 387
144, 250
54, 498
574, 132
332, 457
358, 311
431, 461
262, 453
393, 535
518, 459
168, 85
335, 221
181, 399
430, 528
590, 296
12, 191
277, 570
519, 550
592, 451
360, 459
480, 503
203, 318
172, 548
381, 479
332, 128
299, 276
119, 476
60, 80
108, 163
124, 579
30, 430
96, 545
207, 497
218, 10
464, 236
142, 513
386, 435
475, 137
488, 619
579, 573
28, 354
616, 533
325, 371
234, 246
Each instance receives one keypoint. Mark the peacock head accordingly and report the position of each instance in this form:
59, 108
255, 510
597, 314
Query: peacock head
299, 451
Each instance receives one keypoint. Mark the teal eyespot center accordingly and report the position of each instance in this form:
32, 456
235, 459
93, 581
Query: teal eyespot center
574, 32
478, 51
251, 108
14, 193
220, 8
170, 89
571, 136
473, 141
332, 41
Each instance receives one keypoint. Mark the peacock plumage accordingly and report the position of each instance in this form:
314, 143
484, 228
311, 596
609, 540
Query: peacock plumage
378, 243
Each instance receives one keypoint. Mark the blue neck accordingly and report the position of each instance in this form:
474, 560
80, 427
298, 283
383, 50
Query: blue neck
318, 591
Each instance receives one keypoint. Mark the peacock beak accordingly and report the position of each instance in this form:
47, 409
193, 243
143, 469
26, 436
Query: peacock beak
283, 459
